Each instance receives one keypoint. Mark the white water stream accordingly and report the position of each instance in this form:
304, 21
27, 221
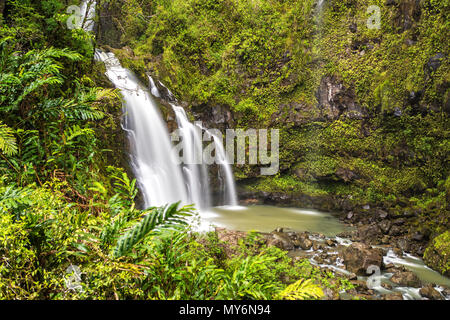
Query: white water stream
155, 162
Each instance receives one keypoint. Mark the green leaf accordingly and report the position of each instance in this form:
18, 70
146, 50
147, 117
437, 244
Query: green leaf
7, 141
160, 218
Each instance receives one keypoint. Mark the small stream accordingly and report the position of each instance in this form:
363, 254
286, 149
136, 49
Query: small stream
269, 218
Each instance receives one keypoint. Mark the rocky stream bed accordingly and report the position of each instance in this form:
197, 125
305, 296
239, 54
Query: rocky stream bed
377, 261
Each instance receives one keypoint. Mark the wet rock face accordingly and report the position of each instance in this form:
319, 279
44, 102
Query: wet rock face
437, 255
108, 31
408, 13
346, 174
435, 62
336, 100
295, 113
358, 257
214, 117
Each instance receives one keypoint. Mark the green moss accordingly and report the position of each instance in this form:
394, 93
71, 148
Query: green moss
266, 59
287, 184
248, 55
437, 255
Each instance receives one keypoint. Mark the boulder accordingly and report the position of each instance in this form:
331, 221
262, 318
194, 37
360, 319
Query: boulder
317, 245
393, 296
330, 294
404, 245
430, 293
437, 254
385, 226
368, 233
281, 240
359, 256
395, 231
406, 279
417, 236
304, 242
382, 214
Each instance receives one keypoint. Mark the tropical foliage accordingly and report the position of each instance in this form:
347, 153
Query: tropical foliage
70, 227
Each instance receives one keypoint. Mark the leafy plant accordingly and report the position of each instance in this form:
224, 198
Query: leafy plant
7, 141
302, 290
158, 218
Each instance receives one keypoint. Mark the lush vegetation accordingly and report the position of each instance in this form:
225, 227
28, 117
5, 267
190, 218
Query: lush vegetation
68, 205
383, 136
69, 225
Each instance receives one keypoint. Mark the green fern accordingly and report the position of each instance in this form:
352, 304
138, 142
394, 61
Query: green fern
7, 141
302, 290
25, 75
159, 218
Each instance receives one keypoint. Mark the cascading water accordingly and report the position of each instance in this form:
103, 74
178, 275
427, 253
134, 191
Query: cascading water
194, 168
230, 195
153, 160
87, 12
161, 177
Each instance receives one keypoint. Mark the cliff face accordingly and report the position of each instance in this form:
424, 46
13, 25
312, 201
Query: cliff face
363, 112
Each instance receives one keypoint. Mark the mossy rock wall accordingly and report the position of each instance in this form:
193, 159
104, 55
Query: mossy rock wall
437, 254
362, 112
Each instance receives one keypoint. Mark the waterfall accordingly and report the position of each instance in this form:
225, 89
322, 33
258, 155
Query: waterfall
320, 5
159, 173
154, 164
87, 12
318, 14
229, 186
195, 168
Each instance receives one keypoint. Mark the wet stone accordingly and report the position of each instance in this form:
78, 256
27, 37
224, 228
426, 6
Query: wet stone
430, 293
406, 279
385, 226
358, 257
393, 296
317, 246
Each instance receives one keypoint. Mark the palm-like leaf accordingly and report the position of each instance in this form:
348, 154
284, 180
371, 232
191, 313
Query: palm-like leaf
7, 141
159, 218
302, 290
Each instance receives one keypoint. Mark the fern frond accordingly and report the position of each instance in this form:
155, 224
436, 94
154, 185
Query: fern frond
76, 131
7, 141
160, 218
302, 290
